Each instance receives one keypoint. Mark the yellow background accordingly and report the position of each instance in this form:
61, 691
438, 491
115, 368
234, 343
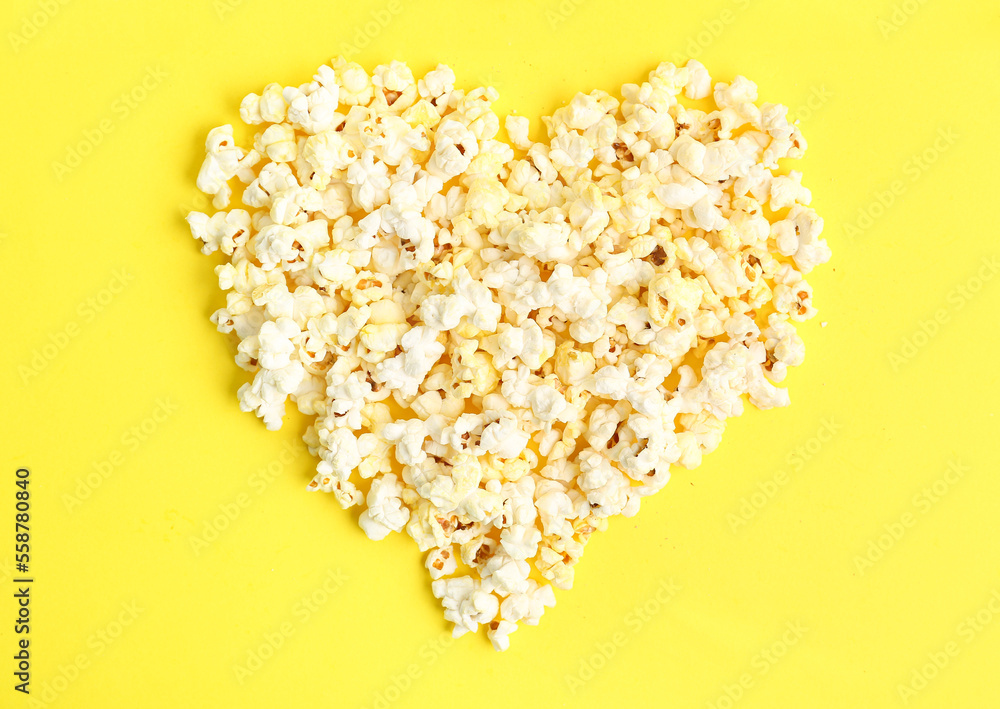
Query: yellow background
883, 80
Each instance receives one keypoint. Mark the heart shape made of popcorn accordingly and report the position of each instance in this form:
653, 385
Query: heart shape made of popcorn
504, 345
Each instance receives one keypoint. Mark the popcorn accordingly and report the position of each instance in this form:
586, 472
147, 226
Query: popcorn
500, 366
699, 83
605, 487
386, 512
504, 437
223, 230
517, 131
224, 160
454, 147
466, 604
278, 143
441, 562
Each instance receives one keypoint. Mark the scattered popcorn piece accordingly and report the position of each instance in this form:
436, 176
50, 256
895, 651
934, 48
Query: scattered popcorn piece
224, 160
486, 338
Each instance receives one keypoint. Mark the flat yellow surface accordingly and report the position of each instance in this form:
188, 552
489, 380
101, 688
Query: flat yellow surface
841, 552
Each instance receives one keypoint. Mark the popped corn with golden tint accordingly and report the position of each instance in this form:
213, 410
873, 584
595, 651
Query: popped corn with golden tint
505, 345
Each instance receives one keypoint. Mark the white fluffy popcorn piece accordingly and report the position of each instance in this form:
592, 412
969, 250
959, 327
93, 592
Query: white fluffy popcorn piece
223, 230
466, 604
503, 346
699, 83
454, 147
441, 562
504, 437
386, 512
517, 131
224, 160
